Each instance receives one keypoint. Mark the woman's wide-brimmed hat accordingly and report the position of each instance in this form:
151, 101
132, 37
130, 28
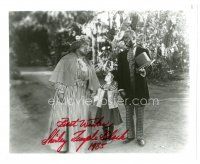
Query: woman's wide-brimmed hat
80, 40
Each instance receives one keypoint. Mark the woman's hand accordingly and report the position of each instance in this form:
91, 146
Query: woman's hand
61, 97
93, 94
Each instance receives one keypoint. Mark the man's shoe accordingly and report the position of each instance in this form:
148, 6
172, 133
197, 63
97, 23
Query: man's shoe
141, 142
127, 140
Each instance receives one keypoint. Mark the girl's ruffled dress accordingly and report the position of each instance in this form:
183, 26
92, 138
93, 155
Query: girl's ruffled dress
108, 104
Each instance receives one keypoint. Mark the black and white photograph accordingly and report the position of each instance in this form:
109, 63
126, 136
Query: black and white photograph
101, 81
98, 81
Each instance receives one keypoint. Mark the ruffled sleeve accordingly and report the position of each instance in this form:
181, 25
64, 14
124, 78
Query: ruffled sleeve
65, 71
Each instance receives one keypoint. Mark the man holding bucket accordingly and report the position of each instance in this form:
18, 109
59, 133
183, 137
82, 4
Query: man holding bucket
132, 64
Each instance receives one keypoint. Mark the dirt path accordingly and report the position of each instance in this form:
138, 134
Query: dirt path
164, 126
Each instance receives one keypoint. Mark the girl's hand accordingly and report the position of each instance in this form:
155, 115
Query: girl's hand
122, 93
95, 98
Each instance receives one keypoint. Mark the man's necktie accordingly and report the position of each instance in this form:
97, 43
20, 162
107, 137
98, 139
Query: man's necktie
131, 61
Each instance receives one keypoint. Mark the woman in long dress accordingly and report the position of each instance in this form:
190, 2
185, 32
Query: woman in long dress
74, 79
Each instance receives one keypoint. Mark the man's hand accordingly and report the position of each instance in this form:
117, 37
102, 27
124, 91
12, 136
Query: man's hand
142, 72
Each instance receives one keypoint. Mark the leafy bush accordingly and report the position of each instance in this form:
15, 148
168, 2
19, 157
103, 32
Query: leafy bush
30, 44
42, 38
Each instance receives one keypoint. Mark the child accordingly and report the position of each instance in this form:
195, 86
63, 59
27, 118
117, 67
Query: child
107, 105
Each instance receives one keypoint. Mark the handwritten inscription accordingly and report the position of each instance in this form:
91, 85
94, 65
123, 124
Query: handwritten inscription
58, 135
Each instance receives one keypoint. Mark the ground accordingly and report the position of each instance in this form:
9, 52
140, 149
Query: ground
164, 127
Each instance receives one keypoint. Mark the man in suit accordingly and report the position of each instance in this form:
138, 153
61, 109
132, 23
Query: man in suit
133, 87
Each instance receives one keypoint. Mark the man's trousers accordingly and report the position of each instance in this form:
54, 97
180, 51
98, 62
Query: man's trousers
139, 112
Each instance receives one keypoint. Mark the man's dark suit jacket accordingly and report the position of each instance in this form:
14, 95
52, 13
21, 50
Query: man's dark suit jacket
141, 88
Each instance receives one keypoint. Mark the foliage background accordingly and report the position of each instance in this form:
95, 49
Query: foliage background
42, 38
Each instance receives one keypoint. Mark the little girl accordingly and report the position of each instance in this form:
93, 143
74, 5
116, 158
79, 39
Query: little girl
107, 104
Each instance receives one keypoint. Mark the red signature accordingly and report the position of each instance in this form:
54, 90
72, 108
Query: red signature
95, 137
55, 137
65, 122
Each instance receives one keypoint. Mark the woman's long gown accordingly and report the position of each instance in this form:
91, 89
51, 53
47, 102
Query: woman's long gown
73, 106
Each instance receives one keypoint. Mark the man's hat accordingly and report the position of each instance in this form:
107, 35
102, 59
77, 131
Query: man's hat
128, 33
